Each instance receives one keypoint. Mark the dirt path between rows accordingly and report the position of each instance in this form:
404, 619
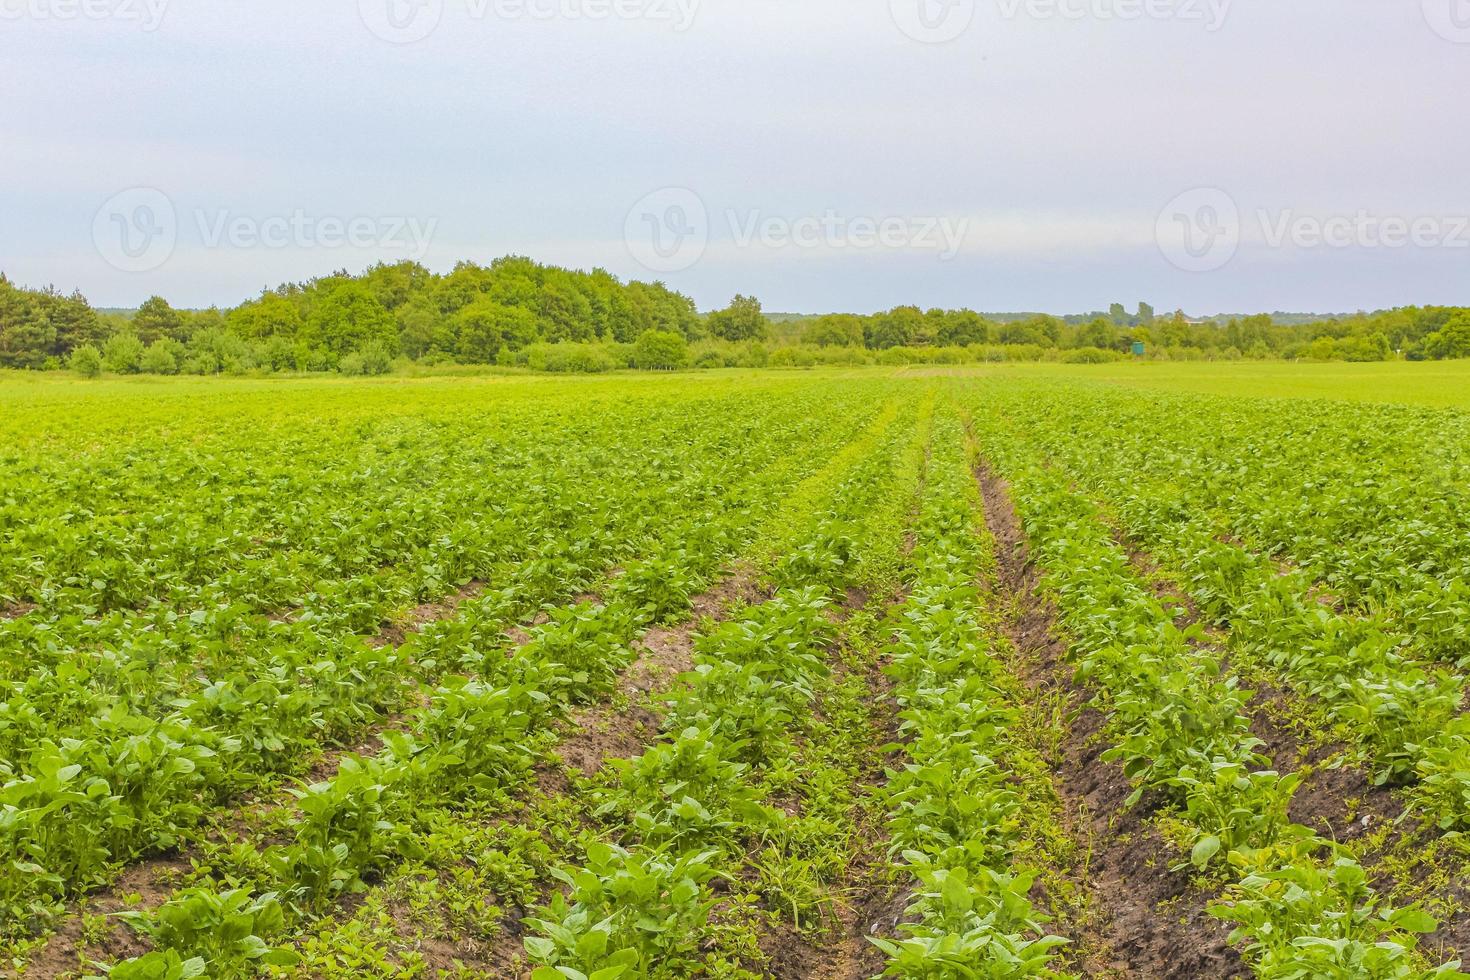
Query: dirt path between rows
869, 901
619, 727
147, 884
1338, 797
1147, 921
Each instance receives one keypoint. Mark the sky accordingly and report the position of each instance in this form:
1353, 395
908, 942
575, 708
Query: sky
823, 155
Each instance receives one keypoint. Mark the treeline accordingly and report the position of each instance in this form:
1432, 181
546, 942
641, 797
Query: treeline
473, 315
516, 312
1416, 333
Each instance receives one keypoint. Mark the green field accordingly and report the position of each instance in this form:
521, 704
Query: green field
1122, 670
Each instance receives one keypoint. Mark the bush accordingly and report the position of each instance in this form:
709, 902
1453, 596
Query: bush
660, 350
567, 358
158, 359
793, 357
275, 354
122, 353
201, 362
376, 359
86, 361
352, 365
371, 360
1090, 355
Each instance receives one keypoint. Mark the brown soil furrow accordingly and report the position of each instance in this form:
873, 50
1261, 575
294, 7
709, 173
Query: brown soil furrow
1337, 797
1149, 921
618, 728
395, 632
148, 883
869, 901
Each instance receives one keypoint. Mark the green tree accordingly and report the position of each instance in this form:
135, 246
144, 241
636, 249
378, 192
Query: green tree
484, 327
896, 328
273, 315
834, 330
27, 336
159, 358
961, 328
122, 353
349, 318
86, 361
741, 320
155, 319
660, 350
423, 328
1098, 333
1450, 341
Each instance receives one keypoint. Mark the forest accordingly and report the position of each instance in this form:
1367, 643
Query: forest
518, 313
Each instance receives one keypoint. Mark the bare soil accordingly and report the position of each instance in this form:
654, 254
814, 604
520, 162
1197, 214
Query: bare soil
1147, 921
395, 632
619, 728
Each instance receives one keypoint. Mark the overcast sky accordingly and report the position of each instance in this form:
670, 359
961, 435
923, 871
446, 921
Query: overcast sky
825, 155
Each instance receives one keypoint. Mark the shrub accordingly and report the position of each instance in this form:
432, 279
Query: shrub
371, 360
158, 359
122, 353
660, 350
275, 354
1089, 355
86, 361
793, 357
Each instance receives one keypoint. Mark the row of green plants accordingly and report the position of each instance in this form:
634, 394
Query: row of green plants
1301, 904
487, 867
1368, 501
476, 742
109, 758
410, 493
955, 810
700, 812
1373, 668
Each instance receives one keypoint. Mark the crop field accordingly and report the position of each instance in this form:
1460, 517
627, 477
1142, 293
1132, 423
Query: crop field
934, 673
